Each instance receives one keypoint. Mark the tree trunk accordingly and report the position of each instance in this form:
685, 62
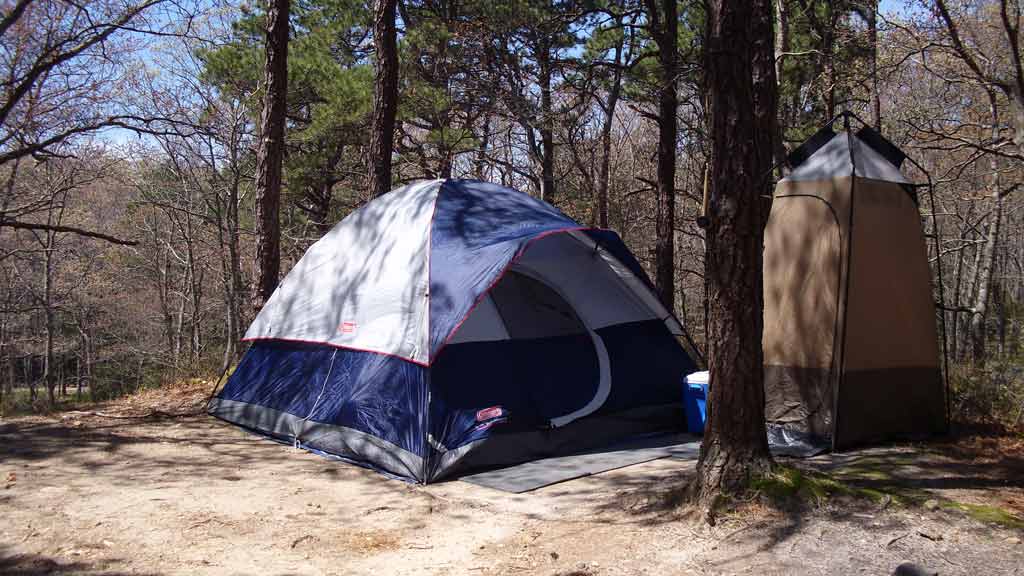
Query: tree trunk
781, 37
30, 377
480, 163
87, 356
48, 368
228, 279
547, 121
828, 49
164, 293
782, 47
604, 168
958, 281
665, 25
234, 287
385, 96
741, 89
179, 330
5, 359
10, 376
972, 290
830, 88
876, 98
989, 257
999, 311
271, 154
195, 289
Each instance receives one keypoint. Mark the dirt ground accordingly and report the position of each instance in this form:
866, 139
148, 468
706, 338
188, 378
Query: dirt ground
85, 493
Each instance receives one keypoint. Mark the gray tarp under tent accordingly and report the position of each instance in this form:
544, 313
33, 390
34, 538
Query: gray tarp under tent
851, 347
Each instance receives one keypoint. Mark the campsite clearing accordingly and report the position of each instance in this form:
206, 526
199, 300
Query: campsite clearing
186, 494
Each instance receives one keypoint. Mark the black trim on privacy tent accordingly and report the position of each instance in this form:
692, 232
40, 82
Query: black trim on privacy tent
810, 146
882, 145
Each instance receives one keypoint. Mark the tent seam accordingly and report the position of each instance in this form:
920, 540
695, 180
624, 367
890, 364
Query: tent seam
316, 403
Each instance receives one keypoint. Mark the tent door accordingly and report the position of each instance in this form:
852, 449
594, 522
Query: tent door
604, 384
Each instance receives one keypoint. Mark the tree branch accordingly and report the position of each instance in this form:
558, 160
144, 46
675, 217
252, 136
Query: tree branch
44, 66
961, 50
13, 16
70, 229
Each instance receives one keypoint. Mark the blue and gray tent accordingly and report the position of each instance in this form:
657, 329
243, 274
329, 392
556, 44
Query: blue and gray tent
457, 325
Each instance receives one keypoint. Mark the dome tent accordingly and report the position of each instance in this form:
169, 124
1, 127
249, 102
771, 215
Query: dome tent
851, 347
454, 325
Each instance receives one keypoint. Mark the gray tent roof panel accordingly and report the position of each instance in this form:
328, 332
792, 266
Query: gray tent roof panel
832, 160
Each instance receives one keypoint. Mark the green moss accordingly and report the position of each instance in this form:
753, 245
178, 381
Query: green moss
878, 495
909, 496
865, 473
792, 484
788, 484
987, 514
783, 484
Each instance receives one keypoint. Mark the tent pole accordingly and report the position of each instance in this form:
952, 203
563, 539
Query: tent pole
846, 115
217, 383
425, 416
941, 289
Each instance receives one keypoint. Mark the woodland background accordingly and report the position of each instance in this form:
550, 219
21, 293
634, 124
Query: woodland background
129, 132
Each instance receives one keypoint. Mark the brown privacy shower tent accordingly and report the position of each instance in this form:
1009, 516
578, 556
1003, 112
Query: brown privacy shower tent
851, 349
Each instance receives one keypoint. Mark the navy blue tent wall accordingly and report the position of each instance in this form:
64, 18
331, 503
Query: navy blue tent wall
455, 325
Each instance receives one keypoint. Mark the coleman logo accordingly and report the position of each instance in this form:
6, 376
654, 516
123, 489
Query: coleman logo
489, 413
348, 327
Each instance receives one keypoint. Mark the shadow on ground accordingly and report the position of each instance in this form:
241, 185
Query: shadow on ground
40, 565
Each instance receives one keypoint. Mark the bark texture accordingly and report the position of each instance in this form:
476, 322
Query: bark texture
600, 216
547, 122
385, 96
782, 47
665, 29
876, 97
741, 89
271, 154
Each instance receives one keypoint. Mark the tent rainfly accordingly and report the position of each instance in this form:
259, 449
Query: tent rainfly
455, 325
850, 339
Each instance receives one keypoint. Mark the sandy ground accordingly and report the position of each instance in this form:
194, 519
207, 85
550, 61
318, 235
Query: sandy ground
190, 495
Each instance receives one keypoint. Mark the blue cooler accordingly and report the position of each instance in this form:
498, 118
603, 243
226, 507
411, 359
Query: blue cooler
695, 393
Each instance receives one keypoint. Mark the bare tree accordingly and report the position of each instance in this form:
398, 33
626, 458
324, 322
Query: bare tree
1008, 79
976, 48
62, 79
